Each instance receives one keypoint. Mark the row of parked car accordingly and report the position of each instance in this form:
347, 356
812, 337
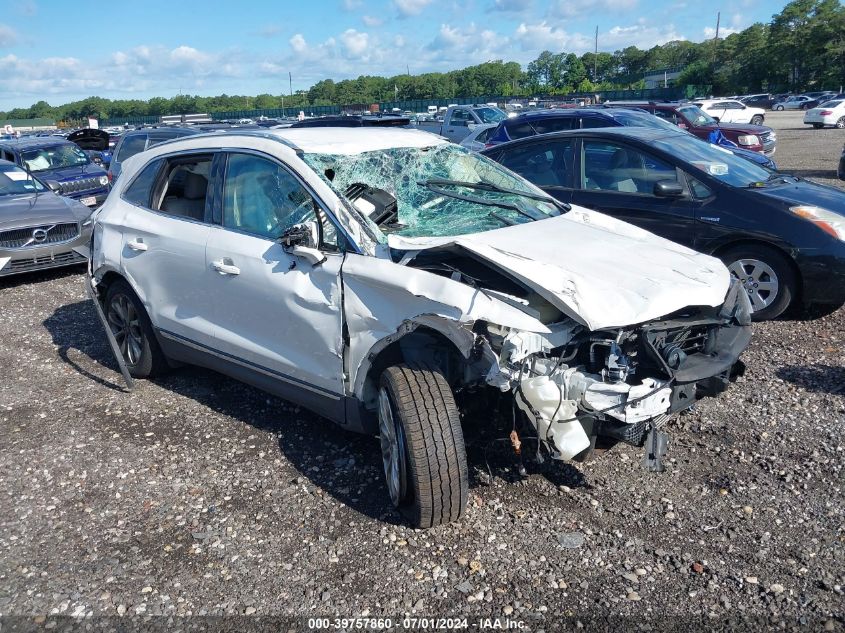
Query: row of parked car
786, 101
588, 275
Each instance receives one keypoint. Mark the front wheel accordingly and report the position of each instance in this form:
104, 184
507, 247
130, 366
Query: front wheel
757, 119
840, 124
422, 445
765, 275
133, 332
779, 108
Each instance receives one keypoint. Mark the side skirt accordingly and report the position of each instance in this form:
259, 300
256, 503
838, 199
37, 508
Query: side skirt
338, 408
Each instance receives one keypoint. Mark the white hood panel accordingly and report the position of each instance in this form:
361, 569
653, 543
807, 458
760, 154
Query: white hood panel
598, 270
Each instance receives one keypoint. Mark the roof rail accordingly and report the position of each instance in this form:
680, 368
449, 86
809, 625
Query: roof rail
237, 132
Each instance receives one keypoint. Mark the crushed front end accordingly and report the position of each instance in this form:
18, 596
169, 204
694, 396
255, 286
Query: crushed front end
579, 389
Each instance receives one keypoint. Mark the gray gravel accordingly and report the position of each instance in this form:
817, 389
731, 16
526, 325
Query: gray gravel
198, 495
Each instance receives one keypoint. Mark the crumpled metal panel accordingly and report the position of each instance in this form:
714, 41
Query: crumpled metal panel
380, 296
600, 271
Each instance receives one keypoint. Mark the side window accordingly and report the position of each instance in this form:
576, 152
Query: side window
614, 167
140, 191
668, 116
545, 126
484, 135
461, 117
131, 146
593, 122
155, 139
520, 130
182, 187
263, 198
8, 156
545, 163
699, 190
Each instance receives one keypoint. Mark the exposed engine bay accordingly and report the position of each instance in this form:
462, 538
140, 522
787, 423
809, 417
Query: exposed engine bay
576, 387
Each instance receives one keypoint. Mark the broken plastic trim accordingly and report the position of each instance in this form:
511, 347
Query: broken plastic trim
115, 348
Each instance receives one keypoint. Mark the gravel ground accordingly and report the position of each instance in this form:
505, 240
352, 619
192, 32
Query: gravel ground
195, 495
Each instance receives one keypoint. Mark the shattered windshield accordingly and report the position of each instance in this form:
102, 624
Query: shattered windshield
443, 190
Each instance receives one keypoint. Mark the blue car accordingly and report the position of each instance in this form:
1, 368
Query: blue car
60, 164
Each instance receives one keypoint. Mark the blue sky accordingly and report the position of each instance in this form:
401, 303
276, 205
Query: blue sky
60, 51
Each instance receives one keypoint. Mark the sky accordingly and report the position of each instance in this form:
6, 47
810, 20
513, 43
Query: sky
61, 51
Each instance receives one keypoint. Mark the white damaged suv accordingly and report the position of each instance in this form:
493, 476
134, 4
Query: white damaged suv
384, 277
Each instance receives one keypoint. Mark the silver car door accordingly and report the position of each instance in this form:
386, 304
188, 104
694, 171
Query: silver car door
275, 313
163, 250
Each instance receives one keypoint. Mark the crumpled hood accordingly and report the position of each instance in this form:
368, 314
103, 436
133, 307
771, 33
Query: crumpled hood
46, 208
596, 269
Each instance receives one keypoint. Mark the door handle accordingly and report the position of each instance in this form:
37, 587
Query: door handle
226, 267
137, 245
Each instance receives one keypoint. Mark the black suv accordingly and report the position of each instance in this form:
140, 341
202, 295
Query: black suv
560, 120
135, 141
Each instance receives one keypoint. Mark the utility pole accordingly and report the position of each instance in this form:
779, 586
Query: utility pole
290, 84
596, 57
716, 39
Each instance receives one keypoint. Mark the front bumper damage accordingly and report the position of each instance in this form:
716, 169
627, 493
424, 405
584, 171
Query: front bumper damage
576, 387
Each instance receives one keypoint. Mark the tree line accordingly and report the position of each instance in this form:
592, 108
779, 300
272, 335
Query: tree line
803, 47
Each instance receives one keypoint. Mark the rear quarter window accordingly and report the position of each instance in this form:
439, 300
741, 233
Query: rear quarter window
140, 191
131, 145
520, 130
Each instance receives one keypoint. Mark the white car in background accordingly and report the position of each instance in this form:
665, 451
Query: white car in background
828, 113
732, 111
476, 140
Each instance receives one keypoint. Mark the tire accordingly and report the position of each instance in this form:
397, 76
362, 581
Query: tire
423, 451
756, 265
133, 331
778, 108
757, 119
840, 123
805, 107
818, 126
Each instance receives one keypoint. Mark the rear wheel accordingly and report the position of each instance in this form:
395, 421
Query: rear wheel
757, 119
133, 331
422, 445
779, 108
765, 275
840, 124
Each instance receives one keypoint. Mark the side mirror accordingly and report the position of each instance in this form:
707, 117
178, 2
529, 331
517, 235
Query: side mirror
301, 240
668, 189
53, 185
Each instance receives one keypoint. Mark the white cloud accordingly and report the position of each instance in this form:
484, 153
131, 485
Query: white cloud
371, 20
352, 5
355, 43
543, 36
8, 36
408, 8
710, 32
298, 43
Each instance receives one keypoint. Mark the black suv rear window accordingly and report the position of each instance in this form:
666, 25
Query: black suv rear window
131, 145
